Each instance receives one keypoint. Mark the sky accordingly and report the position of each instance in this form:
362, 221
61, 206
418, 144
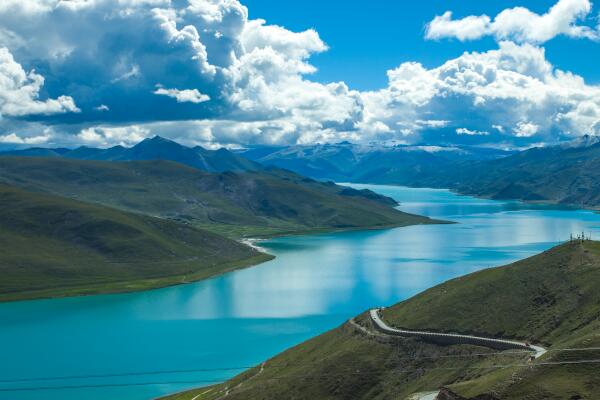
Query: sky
499, 73
367, 38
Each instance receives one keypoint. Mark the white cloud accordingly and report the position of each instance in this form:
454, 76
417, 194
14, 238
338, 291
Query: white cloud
133, 72
257, 35
468, 28
104, 136
15, 139
183, 96
526, 129
466, 131
19, 91
432, 123
513, 89
258, 78
518, 24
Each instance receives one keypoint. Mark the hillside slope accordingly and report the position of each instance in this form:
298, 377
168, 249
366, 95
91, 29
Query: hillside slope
551, 298
264, 202
53, 246
559, 174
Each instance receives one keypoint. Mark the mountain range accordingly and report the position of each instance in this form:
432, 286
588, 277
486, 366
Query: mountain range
371, 163
567, 173
156, 148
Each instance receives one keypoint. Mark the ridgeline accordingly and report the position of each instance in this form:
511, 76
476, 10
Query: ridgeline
236, 204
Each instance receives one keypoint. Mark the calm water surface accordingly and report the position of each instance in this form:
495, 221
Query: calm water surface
240, 319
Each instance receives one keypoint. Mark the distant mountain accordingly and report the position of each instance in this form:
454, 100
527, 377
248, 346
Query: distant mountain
54, 246
550, 299
37, 152
369, 163
271, 201
156, 148
567, 174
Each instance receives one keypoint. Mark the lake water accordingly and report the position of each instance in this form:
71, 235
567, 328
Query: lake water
220, 326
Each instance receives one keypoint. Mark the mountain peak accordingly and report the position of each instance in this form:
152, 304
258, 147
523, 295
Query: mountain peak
157, 139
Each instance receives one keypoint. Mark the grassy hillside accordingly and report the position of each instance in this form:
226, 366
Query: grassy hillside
551, 298
566, 175
236, 204
53, 246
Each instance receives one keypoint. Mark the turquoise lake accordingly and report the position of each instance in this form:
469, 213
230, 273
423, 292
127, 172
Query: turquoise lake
221, 326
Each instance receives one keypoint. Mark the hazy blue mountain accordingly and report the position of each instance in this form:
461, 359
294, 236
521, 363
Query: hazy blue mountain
568, 173
37, 152
156, 148
369, 163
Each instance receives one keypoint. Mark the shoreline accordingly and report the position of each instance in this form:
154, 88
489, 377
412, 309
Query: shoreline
108, 288
567, 206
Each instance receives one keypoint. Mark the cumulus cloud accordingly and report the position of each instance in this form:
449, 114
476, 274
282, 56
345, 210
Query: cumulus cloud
468, 28
297, 45
108, 136
513, 90
518, 24
20, 91
169, 56
15, 139
183, 96
526, 129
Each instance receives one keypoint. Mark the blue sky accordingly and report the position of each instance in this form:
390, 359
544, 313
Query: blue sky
366, 38
258, 72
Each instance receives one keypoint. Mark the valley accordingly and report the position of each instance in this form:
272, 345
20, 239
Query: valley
315, 284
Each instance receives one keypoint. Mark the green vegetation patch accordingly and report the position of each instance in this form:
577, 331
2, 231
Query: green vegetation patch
260, 203
55, 246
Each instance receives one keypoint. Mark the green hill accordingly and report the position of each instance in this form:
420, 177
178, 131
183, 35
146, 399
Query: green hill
53, 246
236, 204
551, 298
558, 174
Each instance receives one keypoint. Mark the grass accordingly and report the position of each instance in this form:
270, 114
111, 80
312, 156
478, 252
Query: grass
234, 204
53, 246
551, 298
72, 227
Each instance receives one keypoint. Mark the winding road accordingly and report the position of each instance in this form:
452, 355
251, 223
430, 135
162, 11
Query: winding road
454, 338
